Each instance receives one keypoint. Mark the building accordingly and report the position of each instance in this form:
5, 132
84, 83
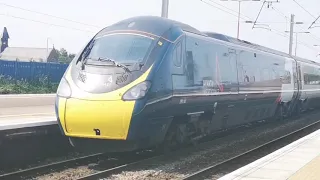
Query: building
30, 54
25, 54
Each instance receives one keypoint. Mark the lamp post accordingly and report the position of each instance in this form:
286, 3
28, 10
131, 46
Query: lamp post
165, 8
48, 47
239, 1
302, 32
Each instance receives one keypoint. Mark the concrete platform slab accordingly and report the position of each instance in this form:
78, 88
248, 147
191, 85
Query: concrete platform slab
26, 121
298, 160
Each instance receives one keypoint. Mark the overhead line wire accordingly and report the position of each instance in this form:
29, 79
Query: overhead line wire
316, 18
220, 9
230, 9
304, 9
45, 14
18, 17
271, 29
311, 34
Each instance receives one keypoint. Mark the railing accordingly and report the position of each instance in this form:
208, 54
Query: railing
31, 71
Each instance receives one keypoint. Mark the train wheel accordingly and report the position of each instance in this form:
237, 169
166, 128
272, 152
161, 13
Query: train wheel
174, 139
170, 142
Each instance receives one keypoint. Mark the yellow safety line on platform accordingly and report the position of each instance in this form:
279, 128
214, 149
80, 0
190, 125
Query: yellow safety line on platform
310, 171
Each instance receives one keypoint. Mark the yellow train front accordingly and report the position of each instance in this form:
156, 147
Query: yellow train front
108, 98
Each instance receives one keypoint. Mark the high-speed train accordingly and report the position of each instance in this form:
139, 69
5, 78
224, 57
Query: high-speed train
153, 82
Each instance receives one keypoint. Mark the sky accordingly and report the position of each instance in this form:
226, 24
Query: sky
30, 29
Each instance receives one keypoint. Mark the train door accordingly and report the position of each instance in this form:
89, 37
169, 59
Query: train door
248, 76
297, 86
288, 81
229, 74
303, 92
178, 76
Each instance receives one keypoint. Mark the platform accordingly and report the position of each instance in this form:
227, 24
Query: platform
23, 117
26, 122
299, 160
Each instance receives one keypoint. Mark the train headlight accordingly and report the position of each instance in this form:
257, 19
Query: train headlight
137, 92
64, 89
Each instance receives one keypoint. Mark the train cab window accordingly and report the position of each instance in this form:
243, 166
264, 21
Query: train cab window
190, 67
177, 55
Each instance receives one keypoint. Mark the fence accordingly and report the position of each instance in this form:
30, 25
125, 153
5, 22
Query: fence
31, 71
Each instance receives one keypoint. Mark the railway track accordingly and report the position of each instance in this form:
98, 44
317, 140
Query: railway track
258, 152
50, 167
137, 160
70, 163
85, 160
149, 161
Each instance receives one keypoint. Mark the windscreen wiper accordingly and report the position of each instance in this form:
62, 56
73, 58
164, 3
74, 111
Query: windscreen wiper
86, 54
115, 63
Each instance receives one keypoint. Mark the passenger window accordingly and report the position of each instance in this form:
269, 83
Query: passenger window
206, 63
177, 55
226, 62
198, 63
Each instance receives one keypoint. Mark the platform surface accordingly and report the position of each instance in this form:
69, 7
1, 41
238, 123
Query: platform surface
299, 160
22, 117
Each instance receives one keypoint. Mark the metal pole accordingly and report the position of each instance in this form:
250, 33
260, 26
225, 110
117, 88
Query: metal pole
296, 44
239, 20
47, 49
291, 34
165, 8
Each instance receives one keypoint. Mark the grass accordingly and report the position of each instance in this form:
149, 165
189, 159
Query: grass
41, 85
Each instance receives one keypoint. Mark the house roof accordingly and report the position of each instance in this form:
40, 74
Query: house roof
25, 54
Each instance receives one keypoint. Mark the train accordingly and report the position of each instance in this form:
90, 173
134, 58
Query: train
151, 82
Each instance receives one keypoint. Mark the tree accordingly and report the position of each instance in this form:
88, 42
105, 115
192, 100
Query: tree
64, 56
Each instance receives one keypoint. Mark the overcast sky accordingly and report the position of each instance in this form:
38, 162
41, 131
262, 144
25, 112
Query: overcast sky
100, 13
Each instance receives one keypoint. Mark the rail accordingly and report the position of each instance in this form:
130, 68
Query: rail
49, 167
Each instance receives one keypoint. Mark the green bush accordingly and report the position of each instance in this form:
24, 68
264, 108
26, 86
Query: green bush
41, 85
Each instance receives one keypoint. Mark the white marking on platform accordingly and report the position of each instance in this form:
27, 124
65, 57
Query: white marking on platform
27, 122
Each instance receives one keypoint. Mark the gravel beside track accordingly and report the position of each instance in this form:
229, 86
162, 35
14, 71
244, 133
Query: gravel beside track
90, 168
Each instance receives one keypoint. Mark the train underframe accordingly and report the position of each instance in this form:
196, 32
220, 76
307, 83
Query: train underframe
182, 132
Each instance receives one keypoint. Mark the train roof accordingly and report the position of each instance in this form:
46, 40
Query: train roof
159, 26
255, 46
244, 43
167, 28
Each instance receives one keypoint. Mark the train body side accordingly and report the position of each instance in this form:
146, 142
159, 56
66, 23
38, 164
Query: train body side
218, 85
227, 84
309, 73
